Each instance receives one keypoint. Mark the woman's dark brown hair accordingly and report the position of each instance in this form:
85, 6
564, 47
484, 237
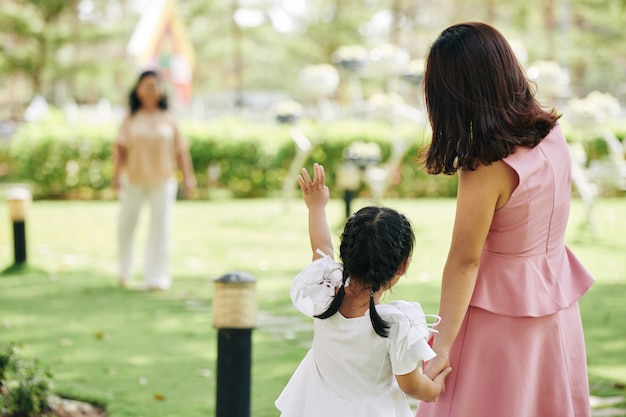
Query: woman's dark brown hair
479, 101
134, 103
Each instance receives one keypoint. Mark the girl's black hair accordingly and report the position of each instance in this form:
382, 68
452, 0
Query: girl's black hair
374, 244
133, 101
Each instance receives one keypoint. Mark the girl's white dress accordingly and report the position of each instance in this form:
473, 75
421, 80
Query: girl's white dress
350, 369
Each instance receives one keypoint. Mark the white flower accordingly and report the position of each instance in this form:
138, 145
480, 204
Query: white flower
288, 108
319, 80
596, 107
350, 56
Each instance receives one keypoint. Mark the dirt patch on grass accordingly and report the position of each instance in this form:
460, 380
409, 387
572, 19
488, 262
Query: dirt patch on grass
63, 407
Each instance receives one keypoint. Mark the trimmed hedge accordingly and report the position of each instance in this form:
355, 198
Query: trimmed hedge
60, 161
249, 159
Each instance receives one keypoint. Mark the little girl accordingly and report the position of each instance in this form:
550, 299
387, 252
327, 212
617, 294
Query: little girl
358, 344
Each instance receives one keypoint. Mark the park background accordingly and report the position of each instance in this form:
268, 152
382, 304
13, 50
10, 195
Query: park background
260, 89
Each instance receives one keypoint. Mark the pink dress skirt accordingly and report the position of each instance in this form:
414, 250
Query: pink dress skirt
506, 366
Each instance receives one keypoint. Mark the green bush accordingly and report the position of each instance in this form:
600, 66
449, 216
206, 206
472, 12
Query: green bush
62, 161
247, 156
249, 159
595, 146
24, 385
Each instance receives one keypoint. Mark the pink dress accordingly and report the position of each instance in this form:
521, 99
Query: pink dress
520, 351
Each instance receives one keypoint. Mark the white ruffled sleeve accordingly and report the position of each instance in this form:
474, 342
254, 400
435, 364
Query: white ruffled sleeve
409, 334
313, 289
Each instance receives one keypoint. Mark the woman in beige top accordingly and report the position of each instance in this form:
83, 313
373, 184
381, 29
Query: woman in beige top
148, 150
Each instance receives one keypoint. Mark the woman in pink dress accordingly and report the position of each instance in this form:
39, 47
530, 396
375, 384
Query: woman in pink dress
511, 328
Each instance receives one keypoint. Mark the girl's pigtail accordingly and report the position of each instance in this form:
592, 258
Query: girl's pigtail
381, 327
337, 300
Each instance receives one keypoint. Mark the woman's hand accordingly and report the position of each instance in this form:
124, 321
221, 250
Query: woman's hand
189, 186
117, 183
119, 157
435, 366
440, 381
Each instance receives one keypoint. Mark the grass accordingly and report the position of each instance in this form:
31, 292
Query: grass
152, 354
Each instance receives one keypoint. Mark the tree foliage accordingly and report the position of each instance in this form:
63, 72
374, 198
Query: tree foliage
33, 31
51, 44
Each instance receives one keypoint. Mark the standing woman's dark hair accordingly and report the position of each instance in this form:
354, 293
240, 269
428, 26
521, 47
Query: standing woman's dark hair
134, 102
479, 101
374, 244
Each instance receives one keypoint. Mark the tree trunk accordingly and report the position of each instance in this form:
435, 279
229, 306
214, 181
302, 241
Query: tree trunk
237, 57
396, 14
549, 23
490, 11
37, 76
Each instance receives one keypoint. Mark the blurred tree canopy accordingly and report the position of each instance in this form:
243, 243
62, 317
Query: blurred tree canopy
77, 48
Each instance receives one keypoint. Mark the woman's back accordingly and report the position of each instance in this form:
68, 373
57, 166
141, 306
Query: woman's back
535, 218
526, 269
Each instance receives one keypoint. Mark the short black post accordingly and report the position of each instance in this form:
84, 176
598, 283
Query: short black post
349, 179
19, 200
234, 315
348, 196
19, 242
234, 362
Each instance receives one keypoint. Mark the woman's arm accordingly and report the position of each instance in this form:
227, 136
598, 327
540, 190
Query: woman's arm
316, 194
183, 159
119, 160
480, 194
119, 152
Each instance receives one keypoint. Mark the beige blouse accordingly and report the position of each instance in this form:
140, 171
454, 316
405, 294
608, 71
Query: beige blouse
152, 142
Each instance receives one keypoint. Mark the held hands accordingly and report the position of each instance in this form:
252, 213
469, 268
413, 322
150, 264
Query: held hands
438, 369
440, 380
314, 192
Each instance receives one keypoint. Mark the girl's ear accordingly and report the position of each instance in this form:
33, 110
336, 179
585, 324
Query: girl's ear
404, 266
355, 288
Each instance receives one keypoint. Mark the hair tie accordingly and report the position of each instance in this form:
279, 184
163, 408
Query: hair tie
372, 293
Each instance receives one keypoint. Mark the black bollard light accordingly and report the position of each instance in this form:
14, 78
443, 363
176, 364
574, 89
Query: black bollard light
349, 179
19, 200
348, 196
234, 315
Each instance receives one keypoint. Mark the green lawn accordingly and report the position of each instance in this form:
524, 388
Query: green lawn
153, 354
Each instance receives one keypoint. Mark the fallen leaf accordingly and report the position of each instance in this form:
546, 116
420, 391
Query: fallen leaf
205, 373
159, 397
65, 342
102, 336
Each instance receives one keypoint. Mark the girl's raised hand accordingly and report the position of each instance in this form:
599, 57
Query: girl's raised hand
314, 191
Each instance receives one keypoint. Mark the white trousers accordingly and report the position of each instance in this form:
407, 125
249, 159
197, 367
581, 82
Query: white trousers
161, 200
